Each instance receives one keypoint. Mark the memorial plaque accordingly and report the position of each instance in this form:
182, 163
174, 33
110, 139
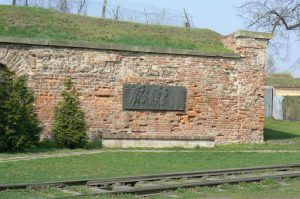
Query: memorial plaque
153, 97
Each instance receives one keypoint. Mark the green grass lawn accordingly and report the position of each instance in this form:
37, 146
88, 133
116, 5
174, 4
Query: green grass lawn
110, 164
267, 189
282, 130
40, 23
279, 135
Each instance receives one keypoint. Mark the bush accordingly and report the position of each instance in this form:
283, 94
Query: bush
93, 145
69, 123
19, 125
48, 144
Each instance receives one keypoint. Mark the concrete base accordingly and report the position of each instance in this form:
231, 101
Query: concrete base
155, 142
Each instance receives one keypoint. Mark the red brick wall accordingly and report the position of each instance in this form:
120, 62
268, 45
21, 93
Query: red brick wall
224, 95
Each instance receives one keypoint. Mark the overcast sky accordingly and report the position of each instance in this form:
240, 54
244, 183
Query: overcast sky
218, 15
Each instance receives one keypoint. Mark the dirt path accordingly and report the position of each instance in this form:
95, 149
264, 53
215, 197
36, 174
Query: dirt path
78, 153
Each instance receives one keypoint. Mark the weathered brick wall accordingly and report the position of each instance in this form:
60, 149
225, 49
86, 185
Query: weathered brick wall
224, 95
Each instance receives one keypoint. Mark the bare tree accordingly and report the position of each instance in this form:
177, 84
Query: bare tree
270, 67
272, 15
14, 2
63, 6
104, 8
159, 16
116, 13
50, 4
81, 6
146, 17
276, 16
187, 23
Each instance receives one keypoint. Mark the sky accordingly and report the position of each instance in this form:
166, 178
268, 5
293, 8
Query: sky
218, 15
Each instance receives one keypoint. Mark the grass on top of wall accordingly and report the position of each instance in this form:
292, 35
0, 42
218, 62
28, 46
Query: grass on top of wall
26, 22
282, 79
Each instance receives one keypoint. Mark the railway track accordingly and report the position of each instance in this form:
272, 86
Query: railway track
150, 184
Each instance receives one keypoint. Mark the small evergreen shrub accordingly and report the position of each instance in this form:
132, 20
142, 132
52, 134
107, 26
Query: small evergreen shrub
5, 87
93, 145
48, 144
69, 121
19, 125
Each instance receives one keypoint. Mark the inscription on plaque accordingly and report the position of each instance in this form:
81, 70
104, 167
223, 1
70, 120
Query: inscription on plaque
153, 97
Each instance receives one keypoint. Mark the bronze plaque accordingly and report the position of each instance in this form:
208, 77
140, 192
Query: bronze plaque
154, 97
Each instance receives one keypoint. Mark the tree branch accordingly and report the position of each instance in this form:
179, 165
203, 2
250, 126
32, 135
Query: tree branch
282, 19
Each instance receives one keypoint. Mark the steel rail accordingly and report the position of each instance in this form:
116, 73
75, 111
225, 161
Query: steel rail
160, 188
135, 179
157, 189
196, 174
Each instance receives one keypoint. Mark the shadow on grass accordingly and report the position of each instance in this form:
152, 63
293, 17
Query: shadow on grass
271, 134
49, 146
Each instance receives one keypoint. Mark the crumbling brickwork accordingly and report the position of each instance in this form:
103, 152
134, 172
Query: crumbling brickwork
224, 93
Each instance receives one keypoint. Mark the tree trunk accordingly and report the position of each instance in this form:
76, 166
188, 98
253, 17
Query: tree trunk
104, 8
187, 23
14, 2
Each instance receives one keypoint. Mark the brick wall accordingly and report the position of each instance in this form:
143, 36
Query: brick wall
224, 92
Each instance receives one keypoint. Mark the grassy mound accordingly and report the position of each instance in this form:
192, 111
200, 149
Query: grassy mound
26, 22
282, 80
